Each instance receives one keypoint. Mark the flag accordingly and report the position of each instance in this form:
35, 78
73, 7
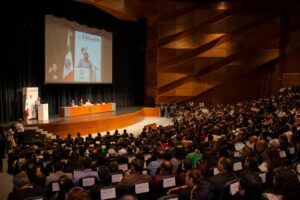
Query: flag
68, 73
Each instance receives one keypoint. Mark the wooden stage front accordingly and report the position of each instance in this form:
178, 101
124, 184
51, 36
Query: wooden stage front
94, 123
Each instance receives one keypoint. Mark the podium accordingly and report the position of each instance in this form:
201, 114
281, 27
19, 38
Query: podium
82, 74
43, 112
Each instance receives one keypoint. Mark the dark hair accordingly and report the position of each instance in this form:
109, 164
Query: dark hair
286, 183
202, 190
166, 166
104, 175
78, 193
227, 164
252, 185
137, 164
252, 159
196, 175
58, 166
187, 164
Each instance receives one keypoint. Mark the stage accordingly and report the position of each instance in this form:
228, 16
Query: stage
94, 123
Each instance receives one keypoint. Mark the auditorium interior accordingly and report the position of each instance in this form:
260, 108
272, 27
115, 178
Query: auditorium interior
204, 103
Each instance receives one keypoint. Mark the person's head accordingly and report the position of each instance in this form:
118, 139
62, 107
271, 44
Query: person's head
21, 180
65, 184
261, 146
54, 67
251, 162
129, 197
187, 164
166, 167
137, 165
250, 185
85, 55
78, 193
104, 174
193, 177
225, 164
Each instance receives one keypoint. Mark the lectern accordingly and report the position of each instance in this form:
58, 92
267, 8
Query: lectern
43, 112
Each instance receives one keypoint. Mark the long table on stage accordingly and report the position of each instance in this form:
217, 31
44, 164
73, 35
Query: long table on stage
86, 110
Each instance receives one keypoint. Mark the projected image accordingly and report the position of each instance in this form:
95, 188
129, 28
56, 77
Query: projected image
87, 57
75, 55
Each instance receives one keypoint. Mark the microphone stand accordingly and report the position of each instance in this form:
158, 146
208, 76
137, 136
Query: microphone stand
96, 68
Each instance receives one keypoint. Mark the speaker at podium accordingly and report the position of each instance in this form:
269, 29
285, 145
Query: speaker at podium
43, 112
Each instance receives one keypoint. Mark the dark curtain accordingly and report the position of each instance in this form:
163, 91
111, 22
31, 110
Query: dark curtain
22, 57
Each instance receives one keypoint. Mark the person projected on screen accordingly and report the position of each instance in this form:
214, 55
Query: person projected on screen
53, 73
85, 62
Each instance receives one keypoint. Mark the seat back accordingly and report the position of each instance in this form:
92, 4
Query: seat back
35, 198
109, 192
116, 177
164, 185
52, 188
169, 197
142, 189
88, 181
229, 189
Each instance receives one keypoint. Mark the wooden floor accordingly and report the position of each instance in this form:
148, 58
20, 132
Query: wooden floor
96, 122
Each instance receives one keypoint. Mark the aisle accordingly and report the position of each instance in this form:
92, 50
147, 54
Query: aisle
6, 182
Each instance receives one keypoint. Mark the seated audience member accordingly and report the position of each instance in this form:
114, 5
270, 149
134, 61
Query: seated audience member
23, 188
78, 193
135, 175
164, 170
65, 185
195, 156
195, 187
200, 187
286, 184
104, 180
87, 171
250, 186
155, 164
58, 172
251, 163
186, 166
69, 140
78, 140
170, 155
34, 174
225, 166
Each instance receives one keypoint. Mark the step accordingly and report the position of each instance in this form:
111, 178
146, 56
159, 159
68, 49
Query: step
31, 127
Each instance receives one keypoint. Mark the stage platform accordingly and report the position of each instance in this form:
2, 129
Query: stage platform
94, 123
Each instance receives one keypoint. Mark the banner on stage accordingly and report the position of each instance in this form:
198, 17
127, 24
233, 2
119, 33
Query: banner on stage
30, 95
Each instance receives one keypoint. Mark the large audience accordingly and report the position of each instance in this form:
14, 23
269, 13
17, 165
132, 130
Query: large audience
249, 150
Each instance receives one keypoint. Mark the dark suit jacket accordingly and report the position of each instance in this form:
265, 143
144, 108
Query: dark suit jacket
25, 193
219, 180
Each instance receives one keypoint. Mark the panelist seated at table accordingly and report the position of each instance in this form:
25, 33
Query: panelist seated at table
81, 102
72, 104
88, 103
